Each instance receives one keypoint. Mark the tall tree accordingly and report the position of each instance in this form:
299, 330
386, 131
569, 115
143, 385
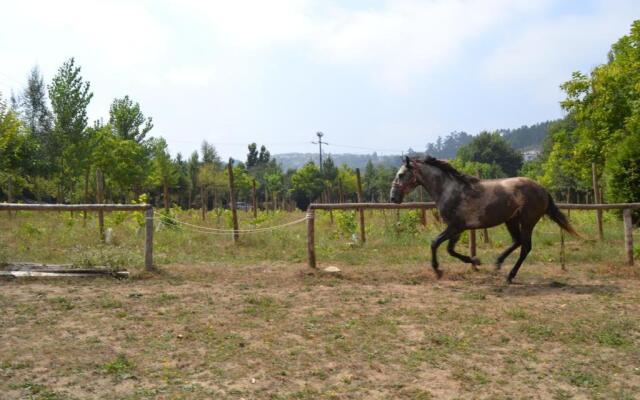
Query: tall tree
210, 154
70, 95
164, 172
252, 156
264, 156
16, 150
34, 108
37, 117
128, 121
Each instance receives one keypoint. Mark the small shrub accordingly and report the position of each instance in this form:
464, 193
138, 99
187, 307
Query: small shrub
346, 221
408, 222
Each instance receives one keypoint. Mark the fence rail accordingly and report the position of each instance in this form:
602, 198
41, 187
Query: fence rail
100, 208
74, 207
311, 252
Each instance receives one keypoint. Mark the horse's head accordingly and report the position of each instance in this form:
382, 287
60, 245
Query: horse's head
405, 181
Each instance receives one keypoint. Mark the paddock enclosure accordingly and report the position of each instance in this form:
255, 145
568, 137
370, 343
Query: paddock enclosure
219, 318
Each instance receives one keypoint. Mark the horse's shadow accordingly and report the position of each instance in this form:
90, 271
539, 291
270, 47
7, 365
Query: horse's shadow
553, 287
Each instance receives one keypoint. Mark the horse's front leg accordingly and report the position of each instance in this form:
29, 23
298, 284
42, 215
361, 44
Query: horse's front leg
435, 243
451, 248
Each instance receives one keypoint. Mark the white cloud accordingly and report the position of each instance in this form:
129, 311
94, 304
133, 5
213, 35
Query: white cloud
543, 54
406, 39
393, 44
252, 25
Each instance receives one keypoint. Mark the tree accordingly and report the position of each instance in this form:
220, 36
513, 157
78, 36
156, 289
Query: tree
128, 121
623, 172
16, 150
252, 156
347, 182
369, 181
33, 105
264, 156
38, 119
193, 164
70, 95
492, 148
123, 162
210, 154
306, 185
164, 171
448, 147
605, 104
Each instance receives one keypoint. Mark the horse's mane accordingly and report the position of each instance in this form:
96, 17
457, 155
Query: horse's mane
450, 170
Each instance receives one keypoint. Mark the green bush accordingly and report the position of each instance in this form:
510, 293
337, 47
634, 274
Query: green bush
408, 222
346, 221
623, 173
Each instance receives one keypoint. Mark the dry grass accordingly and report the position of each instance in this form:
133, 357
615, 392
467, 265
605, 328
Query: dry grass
279, 331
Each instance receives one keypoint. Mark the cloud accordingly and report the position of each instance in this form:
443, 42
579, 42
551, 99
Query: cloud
543, 54
393, 44
407, 39
252, 25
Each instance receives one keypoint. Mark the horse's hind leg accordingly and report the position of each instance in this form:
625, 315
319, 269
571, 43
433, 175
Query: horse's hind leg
452, 251
513, 225
525, 239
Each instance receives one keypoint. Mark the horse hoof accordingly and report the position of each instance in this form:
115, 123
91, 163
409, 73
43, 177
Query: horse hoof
509, 280
475, 261
438, 273
498, 266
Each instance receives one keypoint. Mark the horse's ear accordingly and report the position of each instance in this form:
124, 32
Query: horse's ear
407, 162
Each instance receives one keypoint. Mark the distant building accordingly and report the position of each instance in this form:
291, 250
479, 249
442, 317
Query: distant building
530, 155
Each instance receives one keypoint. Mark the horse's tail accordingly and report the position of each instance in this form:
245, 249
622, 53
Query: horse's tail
559, 218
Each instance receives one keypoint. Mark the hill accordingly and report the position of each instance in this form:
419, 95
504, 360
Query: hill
523, 138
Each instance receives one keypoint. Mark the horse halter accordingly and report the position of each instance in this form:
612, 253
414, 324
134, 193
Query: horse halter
412, 182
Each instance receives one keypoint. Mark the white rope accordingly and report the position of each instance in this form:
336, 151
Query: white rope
206, 229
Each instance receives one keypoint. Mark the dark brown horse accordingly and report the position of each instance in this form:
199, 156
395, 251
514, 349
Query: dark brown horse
465, 202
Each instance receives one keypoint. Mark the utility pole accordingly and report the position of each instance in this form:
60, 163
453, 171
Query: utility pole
320, 143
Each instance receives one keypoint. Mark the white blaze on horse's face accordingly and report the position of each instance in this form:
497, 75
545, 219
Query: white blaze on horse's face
402, 184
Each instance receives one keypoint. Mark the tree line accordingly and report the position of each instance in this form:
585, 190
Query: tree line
600, 133
51, 153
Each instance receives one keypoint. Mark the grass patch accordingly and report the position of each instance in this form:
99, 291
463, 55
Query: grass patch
120, 368
62, 303
537, 331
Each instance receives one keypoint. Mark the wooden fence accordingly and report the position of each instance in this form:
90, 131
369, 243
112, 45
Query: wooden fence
100, 208
311, 252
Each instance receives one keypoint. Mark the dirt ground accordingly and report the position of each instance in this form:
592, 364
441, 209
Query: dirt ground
281, 331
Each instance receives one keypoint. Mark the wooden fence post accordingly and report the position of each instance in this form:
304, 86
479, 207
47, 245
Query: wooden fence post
100, 200
562, 257
10, 193
423, 211
485, 231
311, 246
360, 200
86, 196
628, 235
597, 200
255, 204
203, 200
472, 242
232, 200
148, 240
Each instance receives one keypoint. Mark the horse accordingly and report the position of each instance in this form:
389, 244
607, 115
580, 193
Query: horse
466, 202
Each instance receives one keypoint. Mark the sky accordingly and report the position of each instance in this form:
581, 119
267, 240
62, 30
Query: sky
372, 75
